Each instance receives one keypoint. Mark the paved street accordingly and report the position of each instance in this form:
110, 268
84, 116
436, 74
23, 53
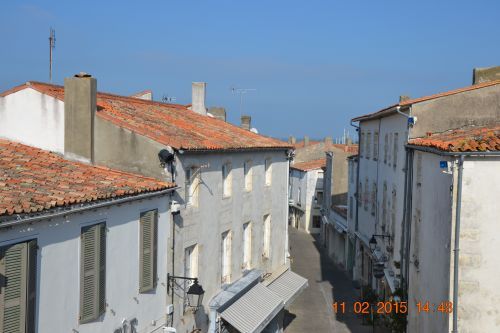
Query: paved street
312, 310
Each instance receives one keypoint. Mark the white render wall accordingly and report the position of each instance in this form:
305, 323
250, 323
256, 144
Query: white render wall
214, 215
479, 263
33, 118
58, 268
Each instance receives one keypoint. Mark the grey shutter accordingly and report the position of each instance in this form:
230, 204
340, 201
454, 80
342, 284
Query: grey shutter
92, 272
147, 249
31, 288
13, 268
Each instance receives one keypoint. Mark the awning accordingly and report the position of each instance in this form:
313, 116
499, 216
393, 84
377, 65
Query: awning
254, 310
288, 286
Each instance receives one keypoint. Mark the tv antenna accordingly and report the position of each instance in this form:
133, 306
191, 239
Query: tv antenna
241, 92
168, 99
52, 46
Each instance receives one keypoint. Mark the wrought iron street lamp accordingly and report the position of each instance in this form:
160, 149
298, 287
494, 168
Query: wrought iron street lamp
373, 241
195, 292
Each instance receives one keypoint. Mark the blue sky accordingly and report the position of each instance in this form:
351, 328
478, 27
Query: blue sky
314, 64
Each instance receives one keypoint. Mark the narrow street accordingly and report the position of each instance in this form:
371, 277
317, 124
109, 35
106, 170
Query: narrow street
312, 310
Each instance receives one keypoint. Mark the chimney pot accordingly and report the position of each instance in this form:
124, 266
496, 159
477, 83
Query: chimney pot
198, 97
246, 122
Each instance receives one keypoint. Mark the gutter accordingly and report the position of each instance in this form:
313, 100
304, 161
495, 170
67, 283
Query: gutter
453, 153
70, 210
457, 244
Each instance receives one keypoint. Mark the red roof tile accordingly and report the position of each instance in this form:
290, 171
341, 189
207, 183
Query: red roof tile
473, 139
390, 109
310, 165
170, 124
35, 180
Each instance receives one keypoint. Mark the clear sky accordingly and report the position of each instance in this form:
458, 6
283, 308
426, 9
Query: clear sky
314, 64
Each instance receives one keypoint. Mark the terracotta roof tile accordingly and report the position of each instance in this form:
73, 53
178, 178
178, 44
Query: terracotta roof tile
170, 124
425, 98
33, 180
472, 139
310, 165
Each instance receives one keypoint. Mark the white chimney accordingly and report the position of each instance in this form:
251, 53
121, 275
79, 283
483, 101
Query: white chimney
198, 98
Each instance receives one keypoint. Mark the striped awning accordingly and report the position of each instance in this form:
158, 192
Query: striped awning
253, 311
288, 286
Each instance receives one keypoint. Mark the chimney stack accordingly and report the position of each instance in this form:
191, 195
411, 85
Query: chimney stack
348, 141
198, 97
80, 104
480, 75
328, 141
306, 140
246, 122
218, 112
403, 98
292, 140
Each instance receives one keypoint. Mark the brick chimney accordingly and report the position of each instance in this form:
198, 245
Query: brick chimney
486, 74
80, 104
198, 97
292, 140
246, 122
306, 141
218, 112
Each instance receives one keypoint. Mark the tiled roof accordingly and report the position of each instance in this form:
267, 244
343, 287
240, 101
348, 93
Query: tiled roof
310, 165
169, 124
473, 139
35, 180
390, 109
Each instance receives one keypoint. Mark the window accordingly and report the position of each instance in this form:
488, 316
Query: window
248, 172
384, 207
374, 198
191, 261
193, 176
393, 212
319, 198
268, 170
361, 145
148, 248
226, 258
18, 288
368, 144
267, 236
375, 146
247, 246
366, 197
350, 207
299, 196
360, 194
389, 150
316, 221
395, 152
352, 170
92, 272
226, 180
386, 147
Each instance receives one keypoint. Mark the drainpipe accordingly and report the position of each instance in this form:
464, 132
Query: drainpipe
457, 244
356, 222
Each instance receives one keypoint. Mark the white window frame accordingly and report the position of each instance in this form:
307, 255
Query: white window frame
268, 170
226, 238
248, 175
266, 249
395, 150
368, 144
191, 257
227, 180
193, 176
247, 246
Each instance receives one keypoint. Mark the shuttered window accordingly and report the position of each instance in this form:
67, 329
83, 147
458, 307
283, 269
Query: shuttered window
148, 250
17, 288
92, 272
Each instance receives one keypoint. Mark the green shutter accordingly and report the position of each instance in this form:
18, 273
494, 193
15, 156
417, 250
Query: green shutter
13, 268
92, 272
31, 306
147, 251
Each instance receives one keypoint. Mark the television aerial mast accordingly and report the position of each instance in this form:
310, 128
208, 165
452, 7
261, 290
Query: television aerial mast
241, 92
52, 46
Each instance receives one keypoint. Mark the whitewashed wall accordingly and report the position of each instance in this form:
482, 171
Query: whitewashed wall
32, 118
58, 268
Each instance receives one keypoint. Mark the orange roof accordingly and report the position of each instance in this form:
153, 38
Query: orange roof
473, 139
35, 180
169, 124
310, 165
390, 109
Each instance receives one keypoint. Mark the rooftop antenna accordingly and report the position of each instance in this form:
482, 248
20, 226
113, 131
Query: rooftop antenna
52, 46
241, 92
168, 99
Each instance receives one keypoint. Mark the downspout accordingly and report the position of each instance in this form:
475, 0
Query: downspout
357, 177
457, 244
